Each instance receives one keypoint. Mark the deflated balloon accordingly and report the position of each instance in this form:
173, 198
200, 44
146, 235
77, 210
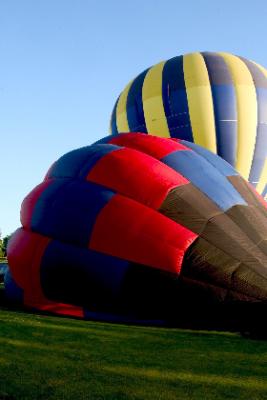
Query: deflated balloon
216, 100
135, 226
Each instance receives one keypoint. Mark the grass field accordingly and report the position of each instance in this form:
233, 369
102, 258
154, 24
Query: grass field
45, 357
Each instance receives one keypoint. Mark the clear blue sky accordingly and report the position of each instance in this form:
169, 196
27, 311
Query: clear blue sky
64, 62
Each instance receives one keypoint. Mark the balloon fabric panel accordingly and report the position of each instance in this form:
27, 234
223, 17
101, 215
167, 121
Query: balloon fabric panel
131, 231
209, 181
217, 100
78, 163
152, 102
150, 188
121, 115
224, 168
135, 113
224, 103
175, 99
152, 145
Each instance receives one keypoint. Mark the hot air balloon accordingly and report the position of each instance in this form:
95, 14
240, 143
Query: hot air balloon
135, 226
216, 100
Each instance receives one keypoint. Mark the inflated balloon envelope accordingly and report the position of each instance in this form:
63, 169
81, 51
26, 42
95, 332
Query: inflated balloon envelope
137, 227
216, 100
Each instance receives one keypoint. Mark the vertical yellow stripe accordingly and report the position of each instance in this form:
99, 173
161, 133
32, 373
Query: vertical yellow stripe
121, 111
200, 101
155, 117
246, 99
263, 179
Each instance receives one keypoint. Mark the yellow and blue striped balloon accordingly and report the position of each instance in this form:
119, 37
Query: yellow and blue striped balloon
217, 100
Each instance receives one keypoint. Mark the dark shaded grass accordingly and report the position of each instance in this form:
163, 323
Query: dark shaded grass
44, 357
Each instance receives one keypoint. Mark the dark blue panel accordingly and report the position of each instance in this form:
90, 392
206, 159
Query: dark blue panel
224, 104
205, 177
260, 152
175, 99
113, 122
218, 70
80, 276
67, 210
226, 132
219, 163
97, 152
70, 164
264, 193
134, 105
12, 291
104, 140
78, 163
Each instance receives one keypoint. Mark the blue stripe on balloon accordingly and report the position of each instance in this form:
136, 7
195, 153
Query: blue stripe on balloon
134, 105
260, 153
67, 210
78, 163
113, 122
224, 104
223, 167
78, 275
264, 193
175, 99
205, 177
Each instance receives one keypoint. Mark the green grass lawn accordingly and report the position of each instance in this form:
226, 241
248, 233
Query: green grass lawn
45, 357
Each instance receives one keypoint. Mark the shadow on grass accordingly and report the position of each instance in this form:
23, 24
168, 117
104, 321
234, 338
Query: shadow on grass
245, 318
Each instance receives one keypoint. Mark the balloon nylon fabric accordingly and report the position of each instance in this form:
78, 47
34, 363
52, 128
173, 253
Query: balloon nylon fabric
113, 225
216, 100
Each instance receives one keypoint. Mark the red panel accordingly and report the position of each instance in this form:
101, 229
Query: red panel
25, 253
29, 202
58, 308
153, 145
136, 175
129, 230
19, 255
